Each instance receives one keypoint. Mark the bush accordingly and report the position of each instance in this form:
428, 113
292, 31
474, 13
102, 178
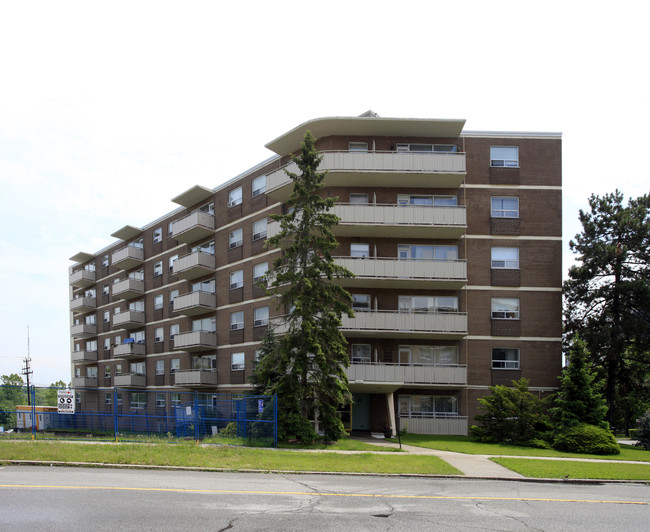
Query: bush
229, 431
634, 434
587, 439
538, 444
643, 433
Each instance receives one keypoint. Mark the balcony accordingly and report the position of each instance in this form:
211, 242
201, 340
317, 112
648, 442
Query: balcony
82, 278
131, 319
197, 226
130, 381
84, 356
195, 378
194, 265
128, 257
393, 324
446, 426
130, 350
379, 169
83, 304
84, 382
397, 273
195, 341
195, 303
128, 288
402, 374
83, 330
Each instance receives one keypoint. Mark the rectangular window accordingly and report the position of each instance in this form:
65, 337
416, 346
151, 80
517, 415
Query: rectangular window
157, 269
360, 199
439, 201
359, 250
138, 400
428, 406
236, 321
415, 355
205, 247
160, 367
505, 208
137, 306
105, 261
358, 146
138, 275
237, 361
205, 324
173, 330
174, 365
160, 400
107, 344
259, 229
261, 316
158, 334
505, 308
139, 243
107, 372
138, 337
207, 208
205, 363
119, 399
158, 301
157, 235
91, 320
171, 262
91, 345
170, 229
91, 372
106, 289
236, 279
235, 238
204, 286
257, 355
420, 252
234, 197
503, 358
138, 368
360, 302
176, 399
360, 353
507, 156
108, 398
172, 295
118, 369
428, 304
259, 185
259, 271
505, 258
107, 316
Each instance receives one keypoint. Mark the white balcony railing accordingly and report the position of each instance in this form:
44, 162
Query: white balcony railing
447, 426
195, 377
130, 350
135, 381
83, 304
194, 265
128, 257
195, 303
422, 374
193, 227
129, 319
82, 278
84, 356
128, 288
195, 340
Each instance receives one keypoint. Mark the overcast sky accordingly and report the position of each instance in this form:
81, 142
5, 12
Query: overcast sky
108, 110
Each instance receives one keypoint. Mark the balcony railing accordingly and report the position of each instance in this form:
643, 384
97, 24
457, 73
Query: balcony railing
447, 426
194, 265
392, 272
128, 257
195, 303
84, 382
84, 356
195, 341
411, 374
130, 319
83, 304
195, 377
130, 381
194, 227
83, 330
413, 170
82, 278
130, 350
128, 288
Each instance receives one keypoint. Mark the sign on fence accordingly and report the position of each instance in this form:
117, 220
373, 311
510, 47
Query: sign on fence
65, 401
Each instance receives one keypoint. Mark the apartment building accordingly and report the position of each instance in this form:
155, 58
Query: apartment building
455, 240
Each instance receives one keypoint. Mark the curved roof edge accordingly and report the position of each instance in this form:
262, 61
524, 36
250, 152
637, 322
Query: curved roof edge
344, 125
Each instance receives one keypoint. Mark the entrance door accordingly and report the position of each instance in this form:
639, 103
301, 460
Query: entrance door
361, 411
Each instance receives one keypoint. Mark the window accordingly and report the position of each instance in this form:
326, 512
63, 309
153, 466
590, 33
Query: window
91, 372
77, 371
138, 275
505, 208
360, 353
91, 320
259, 185
107, 372
235, 238
358, 146
106, 289
118, 369
116, 310
259, 271
205, 247
117, 340
171, 262
174, 365
207, 208
138, 337
261, 316
234, 197
105, 261
170, 229
205, 324
236, 321
441, 148
107, 344
428, 406
157, 235
418, 252
160, 400
160, 367
139, 243
503, 358
119, 399
505, 258
360, 199
90, 293
205, 363
359, 250
257, 355
428, 304
360, 302
236, 279
138, 400
259, 229
204, 286
172, 295
413, 355
505, 308
107, 398
158, 301
158, 334
138, 368
176, 399
439, 201
90, 267
174, 330
107, 316
504, 156
91, 345
237, 361
157, 269
137, 306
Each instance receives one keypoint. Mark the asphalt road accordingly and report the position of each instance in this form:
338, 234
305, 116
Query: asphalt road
55, 498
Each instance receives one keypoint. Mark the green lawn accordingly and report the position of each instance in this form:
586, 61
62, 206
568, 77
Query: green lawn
464, 444
565, 469
222, 457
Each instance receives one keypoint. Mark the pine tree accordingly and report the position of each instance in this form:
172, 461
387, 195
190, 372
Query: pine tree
579, 399
305, 366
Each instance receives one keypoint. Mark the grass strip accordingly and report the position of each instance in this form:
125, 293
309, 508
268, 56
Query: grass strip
230, 458
464, 444
565, 469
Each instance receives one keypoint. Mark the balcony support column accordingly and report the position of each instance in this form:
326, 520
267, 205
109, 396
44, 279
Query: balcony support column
391, 414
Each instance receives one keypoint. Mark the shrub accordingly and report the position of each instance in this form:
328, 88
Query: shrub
634, 434
587, 439
643, 433
538, 444
229, 431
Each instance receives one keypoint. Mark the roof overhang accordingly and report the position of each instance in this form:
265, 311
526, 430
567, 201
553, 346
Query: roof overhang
82, 256
193, 195
365, 126
127, 232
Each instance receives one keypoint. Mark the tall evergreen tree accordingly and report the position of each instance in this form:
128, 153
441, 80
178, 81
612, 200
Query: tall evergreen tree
305, 366
607, 295
580, 399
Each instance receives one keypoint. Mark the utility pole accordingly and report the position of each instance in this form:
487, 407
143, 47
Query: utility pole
27, 371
